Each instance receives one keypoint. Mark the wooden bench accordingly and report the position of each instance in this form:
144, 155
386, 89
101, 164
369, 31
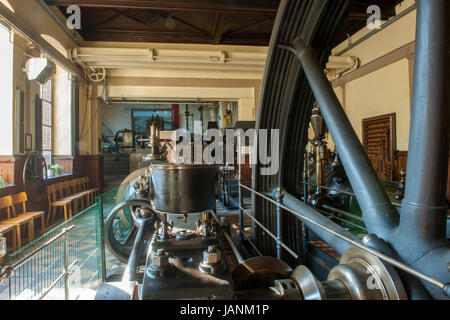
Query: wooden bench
93, 192
72, 195
22, 199
6, 203
56, 200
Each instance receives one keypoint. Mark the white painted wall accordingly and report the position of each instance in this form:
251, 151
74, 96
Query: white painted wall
382, 92
386, 90
6, 93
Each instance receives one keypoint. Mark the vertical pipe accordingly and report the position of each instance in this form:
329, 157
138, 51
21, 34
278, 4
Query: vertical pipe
379, 215
66, 266
423, 215
319, 168
102, 237
241, 201
305, 199
305, 177
424, 211
279, 198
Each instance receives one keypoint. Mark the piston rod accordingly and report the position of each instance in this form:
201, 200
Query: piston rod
233, 248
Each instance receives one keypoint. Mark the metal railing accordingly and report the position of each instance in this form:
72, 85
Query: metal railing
62, 264
8, 271
445, 287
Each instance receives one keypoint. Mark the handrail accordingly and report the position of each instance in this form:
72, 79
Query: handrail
270, 234
7, 271
24, 260
341, 191
443, 286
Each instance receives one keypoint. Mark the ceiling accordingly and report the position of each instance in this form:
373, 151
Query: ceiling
234, 22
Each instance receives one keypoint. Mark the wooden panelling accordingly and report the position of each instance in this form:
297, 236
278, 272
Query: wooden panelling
6, 191
90, 166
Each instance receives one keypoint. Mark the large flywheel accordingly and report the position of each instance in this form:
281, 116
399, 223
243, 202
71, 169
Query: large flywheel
120, 228
35, 176
287, 101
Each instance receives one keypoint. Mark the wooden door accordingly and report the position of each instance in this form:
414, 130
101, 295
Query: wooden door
379, 141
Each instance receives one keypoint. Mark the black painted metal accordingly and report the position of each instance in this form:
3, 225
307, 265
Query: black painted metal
138, 248
183, 189
286, 104
421, 237
378, 213
120, 250
418, 237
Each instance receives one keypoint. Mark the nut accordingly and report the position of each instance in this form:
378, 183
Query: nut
160, 259
211, 257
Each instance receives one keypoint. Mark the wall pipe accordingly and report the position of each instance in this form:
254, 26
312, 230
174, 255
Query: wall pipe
372, 33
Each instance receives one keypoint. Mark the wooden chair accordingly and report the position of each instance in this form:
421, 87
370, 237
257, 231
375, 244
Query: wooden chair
92, 191
84, 195
55, 201
22, 199
11, 230
78, 186
71, 194
6, 203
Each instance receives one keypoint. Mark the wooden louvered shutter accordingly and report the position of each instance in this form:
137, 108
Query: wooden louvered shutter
379, 140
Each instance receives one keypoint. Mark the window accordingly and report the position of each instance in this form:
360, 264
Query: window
46, 97
6, 93
140, 117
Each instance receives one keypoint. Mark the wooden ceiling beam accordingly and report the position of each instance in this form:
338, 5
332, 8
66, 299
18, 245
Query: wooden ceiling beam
166, 15
225, 6
107, 34
218, 28
130, 15
247, 27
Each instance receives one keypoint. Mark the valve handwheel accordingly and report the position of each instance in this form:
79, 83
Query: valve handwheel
35, 176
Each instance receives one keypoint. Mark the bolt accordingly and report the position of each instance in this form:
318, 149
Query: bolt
211, 257
447, 289
368, 238
161, 259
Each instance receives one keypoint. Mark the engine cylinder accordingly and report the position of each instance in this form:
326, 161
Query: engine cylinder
183, 189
